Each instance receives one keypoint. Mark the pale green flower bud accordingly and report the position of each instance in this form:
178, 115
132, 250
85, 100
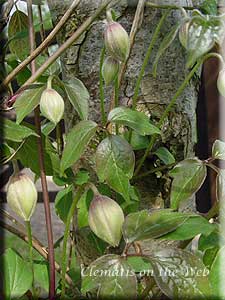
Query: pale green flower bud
52, 105
117, 41
22, 196
110, 69
106, 219
221, 82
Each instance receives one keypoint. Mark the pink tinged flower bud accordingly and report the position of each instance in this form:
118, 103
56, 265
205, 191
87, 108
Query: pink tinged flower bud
183, 34
221, 82
117, 41
22, 196
106, 219
52, 105
110, 69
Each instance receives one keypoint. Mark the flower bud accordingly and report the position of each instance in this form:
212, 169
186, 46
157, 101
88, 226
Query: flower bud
183, 34
117, 41
22, 196
52, 105
221, 82
106, 219
110, 69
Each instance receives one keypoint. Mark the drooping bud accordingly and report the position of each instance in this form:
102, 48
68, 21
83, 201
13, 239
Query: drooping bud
110, 69
22, 196
52, 105
117, 41
221, 82
183, 34
106, 219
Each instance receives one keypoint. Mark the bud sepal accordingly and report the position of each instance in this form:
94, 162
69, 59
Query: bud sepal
106, 219
117, 41
22, 196
52, 105
110, 69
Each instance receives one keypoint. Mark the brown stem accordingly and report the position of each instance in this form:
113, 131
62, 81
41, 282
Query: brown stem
41, 47
42, 167
63, 47
42, 29
37, 245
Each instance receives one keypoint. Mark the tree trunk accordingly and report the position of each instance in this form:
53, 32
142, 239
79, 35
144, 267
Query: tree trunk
82, 60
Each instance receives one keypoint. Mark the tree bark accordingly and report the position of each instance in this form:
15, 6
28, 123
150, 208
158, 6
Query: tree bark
82, 60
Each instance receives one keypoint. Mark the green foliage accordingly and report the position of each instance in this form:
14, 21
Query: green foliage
14, 132
63, 202
165, 156
144, 225
136, 120
209, 7
18, 34
78, 96
15, 275
188, 177
26, 102
76, 143
179, 269
115, 164
108, 276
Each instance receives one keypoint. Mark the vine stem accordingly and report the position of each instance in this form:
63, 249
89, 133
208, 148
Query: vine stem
173, 102
146, 59
42, 46
42, 166
64, 46
65, 239
116, 98
29, 235
101, 87
153, 5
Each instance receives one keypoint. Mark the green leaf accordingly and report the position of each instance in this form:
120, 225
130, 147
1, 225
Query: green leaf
180, 274
138, 264
82, 177
13, 131
78, 96
220, 185
28, 155
210, 256
18, 24
115, 164
204, 32
189, 176
143, 225
27, 101
47, 128
41, 276
166, 42
210, 240
218, 150
191, 227
217, 274
136, 120
15, 275
138, 142
76, 143
165, 156
83, 207
108, 275
63, 202
209, 7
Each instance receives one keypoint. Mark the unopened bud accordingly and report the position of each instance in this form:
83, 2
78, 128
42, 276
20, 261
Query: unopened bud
117, 41
110, 69
22, 196
221, 82
52, 105
106, 219
183, 34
